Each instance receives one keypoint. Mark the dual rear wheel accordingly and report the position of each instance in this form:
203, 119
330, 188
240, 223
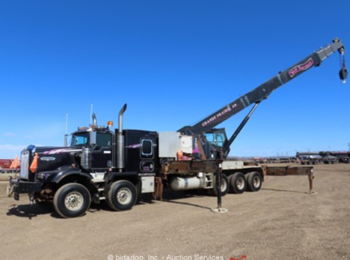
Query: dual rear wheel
224, 186
254, 181
239, 182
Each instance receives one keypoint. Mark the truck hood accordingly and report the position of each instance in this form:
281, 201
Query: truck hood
54, 157
45, 150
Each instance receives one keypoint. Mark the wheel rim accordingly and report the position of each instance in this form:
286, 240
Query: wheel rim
256, 181
124, 196
223, 185
240, 183
9, 190
74, 201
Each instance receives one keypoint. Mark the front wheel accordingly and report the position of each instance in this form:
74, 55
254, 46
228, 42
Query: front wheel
72, 200
121, 195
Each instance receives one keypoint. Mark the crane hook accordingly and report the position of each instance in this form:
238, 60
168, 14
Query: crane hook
343, 73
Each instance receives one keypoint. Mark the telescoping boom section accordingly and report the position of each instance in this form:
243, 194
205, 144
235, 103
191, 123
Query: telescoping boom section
264, 90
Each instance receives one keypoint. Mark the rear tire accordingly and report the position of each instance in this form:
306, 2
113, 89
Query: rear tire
238, 183
229, 183
121, 195
224, 186
72, 200
254, 181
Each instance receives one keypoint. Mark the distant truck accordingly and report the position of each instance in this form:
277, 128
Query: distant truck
310, 159
5, 163
337, 156
316, 158
329, 159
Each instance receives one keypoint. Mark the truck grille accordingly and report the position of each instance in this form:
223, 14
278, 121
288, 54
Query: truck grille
24, 164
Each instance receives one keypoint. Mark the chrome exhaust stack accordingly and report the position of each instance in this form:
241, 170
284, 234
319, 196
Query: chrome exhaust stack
120, 141
94, 119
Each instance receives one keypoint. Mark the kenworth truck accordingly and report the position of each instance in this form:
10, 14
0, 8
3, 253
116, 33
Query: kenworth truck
120, 165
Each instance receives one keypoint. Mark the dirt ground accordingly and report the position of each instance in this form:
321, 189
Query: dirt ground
280, 221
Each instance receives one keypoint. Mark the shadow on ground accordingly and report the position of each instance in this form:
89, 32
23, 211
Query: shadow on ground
280, 190
30, 211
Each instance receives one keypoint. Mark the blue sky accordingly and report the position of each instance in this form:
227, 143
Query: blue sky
173, 63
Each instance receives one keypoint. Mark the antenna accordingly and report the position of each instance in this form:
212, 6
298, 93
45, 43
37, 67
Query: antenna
66, 123
91, 115
66, 134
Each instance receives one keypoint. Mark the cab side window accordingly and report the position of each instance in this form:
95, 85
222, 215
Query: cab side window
146, 148
103, 139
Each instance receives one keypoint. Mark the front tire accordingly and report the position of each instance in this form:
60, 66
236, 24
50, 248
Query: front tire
72, 200
121, 195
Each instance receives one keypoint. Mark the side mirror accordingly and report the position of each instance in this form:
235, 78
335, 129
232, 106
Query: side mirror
92, 138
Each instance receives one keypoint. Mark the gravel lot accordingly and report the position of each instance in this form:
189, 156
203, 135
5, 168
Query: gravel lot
281, 221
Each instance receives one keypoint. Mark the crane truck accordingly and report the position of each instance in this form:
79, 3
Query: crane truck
119, 166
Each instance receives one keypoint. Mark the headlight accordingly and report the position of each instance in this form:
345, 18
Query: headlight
24, 173
43, 175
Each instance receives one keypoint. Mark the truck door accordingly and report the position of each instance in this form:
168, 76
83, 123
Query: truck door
102, 151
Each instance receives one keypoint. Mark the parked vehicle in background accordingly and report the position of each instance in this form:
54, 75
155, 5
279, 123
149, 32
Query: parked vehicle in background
5, 163
330, 159
310, 159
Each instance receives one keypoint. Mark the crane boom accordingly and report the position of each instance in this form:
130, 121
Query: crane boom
264, 90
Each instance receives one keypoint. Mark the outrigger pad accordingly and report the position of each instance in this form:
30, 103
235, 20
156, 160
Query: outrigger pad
219, 210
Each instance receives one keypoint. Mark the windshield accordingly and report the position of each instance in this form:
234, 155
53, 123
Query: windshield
79, 139
217, 137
